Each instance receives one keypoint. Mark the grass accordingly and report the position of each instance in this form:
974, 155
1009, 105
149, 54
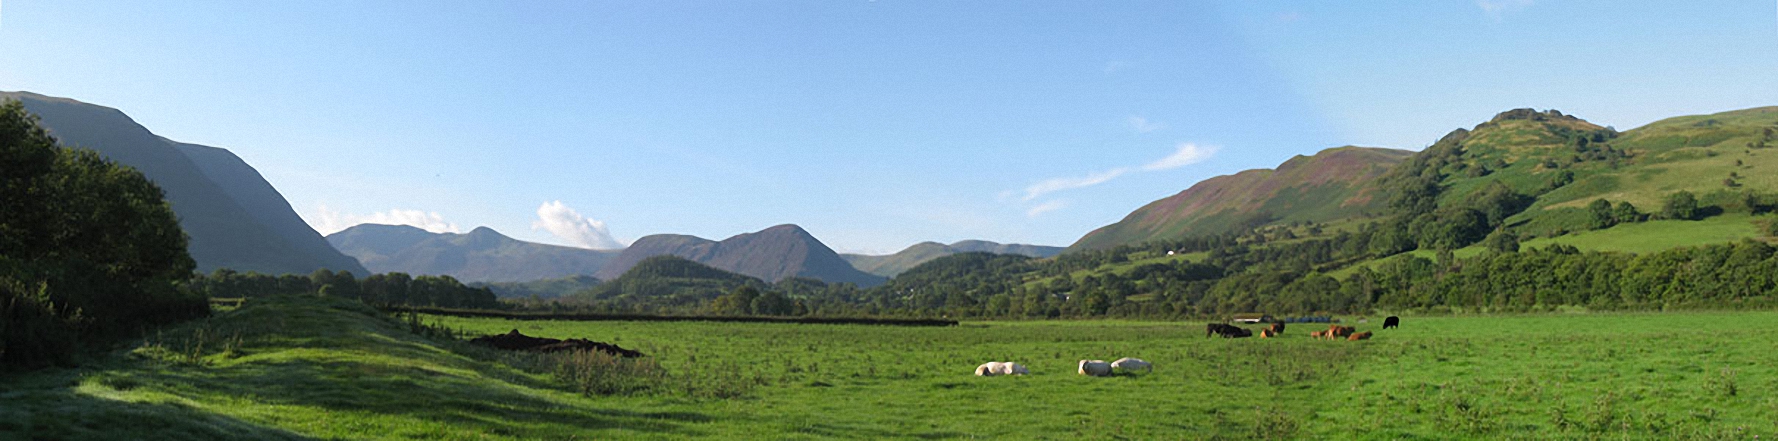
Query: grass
1653, 236
1642, 237
319, 368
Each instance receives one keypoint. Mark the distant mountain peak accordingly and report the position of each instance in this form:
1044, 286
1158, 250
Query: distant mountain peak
1330, 184
1529, 114
481, 255
893, 265
771, 254
233, 216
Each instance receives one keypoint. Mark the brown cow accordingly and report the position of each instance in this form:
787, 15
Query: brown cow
1276, 328
1366, 335
1318, 334
1267, 333
1335, 331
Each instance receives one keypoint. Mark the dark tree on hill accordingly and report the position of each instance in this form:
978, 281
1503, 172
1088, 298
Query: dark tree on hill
1502, 241
1625, 213
1680, 205
88, 249
1601, 214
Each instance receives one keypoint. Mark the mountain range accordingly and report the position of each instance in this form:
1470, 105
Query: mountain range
1332, 184
481, 255
895, 264
772, 254
1559, 163
233, 217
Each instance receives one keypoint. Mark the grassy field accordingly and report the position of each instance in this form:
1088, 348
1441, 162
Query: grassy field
299, 368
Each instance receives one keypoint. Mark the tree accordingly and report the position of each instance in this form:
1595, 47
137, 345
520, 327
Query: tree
1502, 241
1625, 213
88, 249
772, 303
1601, 214
1680, 205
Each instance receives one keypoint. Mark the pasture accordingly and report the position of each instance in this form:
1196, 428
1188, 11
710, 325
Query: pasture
307, 367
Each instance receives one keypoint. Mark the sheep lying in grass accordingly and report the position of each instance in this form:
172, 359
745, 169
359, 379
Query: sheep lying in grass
1128, 364
993, 368
1095, 368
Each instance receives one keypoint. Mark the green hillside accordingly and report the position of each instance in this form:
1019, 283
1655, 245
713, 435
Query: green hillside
1559, 163
894, 264
308, 367
1333, 184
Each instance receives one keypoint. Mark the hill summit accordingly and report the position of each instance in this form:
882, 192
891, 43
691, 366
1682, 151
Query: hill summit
481, 255
234, 217
771, 254
1331, 184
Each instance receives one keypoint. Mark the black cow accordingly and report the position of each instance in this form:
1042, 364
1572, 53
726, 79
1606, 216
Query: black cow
1226, 330
1391, 322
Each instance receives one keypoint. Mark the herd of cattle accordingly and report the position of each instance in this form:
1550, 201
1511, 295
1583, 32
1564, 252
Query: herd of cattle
1101, 368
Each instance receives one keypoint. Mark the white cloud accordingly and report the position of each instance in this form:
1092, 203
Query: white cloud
1045, 208
332, 221
1185, 154
570, 226
1115, 66
1143, 125
1497, 7
1048, 186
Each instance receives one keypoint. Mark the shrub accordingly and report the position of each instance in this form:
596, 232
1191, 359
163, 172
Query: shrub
89, 249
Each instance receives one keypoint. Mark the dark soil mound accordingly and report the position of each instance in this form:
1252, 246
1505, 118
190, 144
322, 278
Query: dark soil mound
515, 341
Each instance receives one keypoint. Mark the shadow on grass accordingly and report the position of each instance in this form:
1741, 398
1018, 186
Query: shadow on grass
452, 400
48, 405
293, 368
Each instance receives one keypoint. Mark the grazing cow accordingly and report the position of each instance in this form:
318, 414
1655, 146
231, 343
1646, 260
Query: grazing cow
1128, 364
1337, 331
1222, 329
1318, 334
1391, 322
993, 368
1366, 335
1095, 368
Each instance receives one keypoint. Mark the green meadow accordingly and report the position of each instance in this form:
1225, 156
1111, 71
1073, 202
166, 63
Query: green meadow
306, 367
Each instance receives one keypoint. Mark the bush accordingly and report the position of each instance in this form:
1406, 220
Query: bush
89, 250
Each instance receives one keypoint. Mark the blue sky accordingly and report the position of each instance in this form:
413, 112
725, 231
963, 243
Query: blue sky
873, 124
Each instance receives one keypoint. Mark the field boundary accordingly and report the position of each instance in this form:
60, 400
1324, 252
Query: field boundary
589, 317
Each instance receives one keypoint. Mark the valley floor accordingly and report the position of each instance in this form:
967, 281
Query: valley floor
319, 368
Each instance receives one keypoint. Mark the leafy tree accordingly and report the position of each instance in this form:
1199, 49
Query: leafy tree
1625, 213
88, 249
1681, 205
1502, 241
1601, 212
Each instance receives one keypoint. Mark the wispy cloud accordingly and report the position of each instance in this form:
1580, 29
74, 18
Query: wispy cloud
1052, 185
1115, 66
1183, 155
332, 221
1143, 125
1497, 7
570, 226
1045, 208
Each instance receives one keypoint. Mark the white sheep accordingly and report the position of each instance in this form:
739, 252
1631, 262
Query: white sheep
1128, 364
1095, 368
